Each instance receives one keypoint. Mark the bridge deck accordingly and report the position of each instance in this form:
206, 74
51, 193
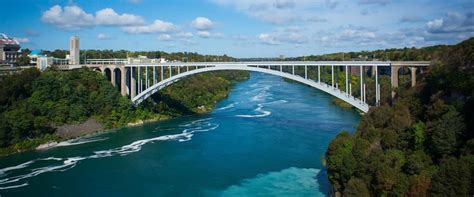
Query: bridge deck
291, 63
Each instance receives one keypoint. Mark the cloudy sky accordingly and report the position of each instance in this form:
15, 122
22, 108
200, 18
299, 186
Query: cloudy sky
240, 28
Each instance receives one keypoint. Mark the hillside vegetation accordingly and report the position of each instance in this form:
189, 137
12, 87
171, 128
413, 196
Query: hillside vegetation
422, 145
34, 104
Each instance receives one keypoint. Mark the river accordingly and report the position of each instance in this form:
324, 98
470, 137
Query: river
266, 139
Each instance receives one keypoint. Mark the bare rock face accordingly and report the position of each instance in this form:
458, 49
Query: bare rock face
76, 130
47, 145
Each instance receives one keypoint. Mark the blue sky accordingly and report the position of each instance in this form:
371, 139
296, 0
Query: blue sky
240, 28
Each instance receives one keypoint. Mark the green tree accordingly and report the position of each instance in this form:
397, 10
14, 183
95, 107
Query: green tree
445, 132
356, 187
452, 179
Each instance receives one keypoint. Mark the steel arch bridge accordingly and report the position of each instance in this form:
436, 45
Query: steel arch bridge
141, 80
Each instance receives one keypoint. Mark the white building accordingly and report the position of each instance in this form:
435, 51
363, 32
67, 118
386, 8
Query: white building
9, 49
74, 51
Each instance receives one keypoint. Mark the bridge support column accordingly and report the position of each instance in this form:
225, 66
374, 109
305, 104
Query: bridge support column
162, 73
293, 68
112, 76
170, 71
154, 75
361, 82
377, 90
306, 72
281, 68
394, 78
319, 74
133, 83
347, 80
413, 76
146, 78
139, 81
332, 76
123, 80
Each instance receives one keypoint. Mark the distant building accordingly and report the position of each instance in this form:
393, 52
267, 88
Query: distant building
74, 51
144, 59
44, 62
9, 50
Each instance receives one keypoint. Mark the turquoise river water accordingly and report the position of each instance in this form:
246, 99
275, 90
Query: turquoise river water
266, 139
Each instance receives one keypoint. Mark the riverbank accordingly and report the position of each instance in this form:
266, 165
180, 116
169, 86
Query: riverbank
64, 105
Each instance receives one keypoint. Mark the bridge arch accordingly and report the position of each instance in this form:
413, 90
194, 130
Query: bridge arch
108, 73
117, 77
321, 86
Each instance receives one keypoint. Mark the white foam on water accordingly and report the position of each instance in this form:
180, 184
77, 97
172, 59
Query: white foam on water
17, 167
275, 102
288, 182
259, 109
226, 107
14, 186
80, 141
63, 164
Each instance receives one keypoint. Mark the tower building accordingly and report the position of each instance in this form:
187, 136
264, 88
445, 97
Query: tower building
74, 51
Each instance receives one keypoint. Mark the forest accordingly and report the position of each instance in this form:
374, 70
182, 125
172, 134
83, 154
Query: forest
34, 104
420, 144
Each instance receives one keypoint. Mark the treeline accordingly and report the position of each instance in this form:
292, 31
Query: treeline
121, 54
422, 145
34, 104
405, 54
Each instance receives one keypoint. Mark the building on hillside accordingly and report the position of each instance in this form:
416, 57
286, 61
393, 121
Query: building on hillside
74, 51
43, 62
9, 50
34, 54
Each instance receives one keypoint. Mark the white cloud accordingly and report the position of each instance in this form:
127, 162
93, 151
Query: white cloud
452, 22
202, 23
108, 16
69, 18
22, 40
158, 26
266, 38
165, 37
74, 18
206, 34
290, 35
102, 36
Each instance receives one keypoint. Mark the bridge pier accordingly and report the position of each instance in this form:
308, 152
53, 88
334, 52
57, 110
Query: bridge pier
139, 82
413, 76
133, 82
394, 78
319, 74
332, 76
154, 75
112, 76
306, 72
377, 86
361, 78
123, 81
347, 80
